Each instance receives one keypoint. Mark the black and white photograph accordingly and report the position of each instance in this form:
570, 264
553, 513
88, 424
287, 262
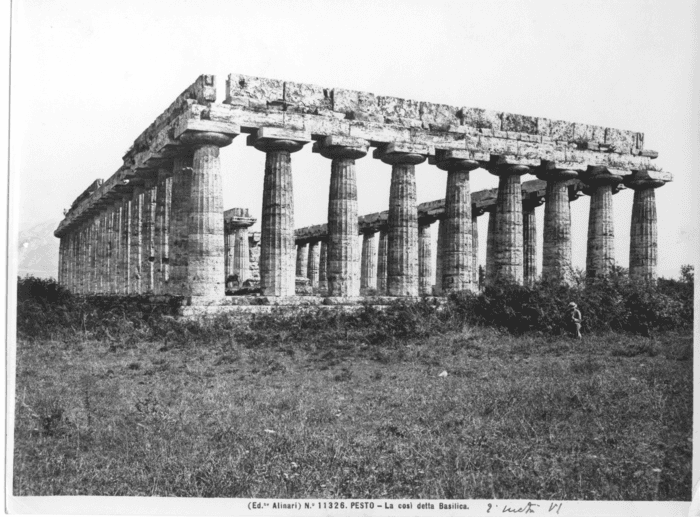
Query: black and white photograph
352, 257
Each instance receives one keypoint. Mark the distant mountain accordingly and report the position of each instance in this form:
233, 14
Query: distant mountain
38, 251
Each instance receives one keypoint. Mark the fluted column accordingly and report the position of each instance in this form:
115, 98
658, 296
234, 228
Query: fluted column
402, 245
302, 259
600, 256
343, 273
229, 247
103, 265
241, 254
456, 251
491, 247
382, 250
442, 230
109, 250
312, 270
136, 239
475, 247
323, 267
162, 231
148, 252
508, 242
277, 271
368, 267
643, 233
117, 247
205, 224
125, 281
556, 251
425, 260
529, 243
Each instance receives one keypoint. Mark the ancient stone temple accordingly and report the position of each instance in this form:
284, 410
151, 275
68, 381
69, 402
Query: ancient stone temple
158, 225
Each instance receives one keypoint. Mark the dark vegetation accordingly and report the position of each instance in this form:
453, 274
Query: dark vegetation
117, 397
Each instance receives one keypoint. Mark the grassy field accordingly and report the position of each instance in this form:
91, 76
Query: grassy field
279, 413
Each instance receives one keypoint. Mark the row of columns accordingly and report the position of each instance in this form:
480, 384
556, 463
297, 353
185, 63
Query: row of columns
165, 234
512, 233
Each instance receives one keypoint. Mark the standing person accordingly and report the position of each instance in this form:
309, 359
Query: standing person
573, 320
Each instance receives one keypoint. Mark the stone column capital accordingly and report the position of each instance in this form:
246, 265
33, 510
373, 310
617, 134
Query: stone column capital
643, 179
198, 139
596, 176
341, 147
454, 160
548, 171
278, 139
505, 168
402, 153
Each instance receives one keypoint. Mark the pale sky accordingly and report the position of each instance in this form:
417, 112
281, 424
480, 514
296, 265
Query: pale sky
89, 77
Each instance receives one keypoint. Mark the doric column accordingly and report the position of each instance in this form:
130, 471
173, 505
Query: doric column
425, 260
148, 222
136, 239
162, 232
343, 272
73, 257
556, 251
89, 258
490, 246
61, 246
116, 248
312, 270
117, 287
600, 256
302, 259
368, 266
277, 271
178, 230
104, 243
508, 242
476, 212
530, 241
442, 229
109, 250
456, 253
402, 252
382, 253
323, 267
103, 252
643, 243
205, 228
229, 247
237, 250
125, 263
241, 254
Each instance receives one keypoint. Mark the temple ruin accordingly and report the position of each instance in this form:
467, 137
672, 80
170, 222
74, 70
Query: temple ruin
157, 226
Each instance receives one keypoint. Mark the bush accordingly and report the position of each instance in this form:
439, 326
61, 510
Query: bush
47, 310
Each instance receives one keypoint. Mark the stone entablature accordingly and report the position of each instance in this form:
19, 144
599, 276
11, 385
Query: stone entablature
316, 112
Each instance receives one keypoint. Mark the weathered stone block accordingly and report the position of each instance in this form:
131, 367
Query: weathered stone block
480, 118
259, 88
438, 115
519, 123
620, 139
561, 130
398, 109
308, 97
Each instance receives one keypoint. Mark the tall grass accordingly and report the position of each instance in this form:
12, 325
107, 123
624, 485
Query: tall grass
116, 397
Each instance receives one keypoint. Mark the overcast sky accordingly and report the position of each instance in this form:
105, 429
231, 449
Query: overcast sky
89, 76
